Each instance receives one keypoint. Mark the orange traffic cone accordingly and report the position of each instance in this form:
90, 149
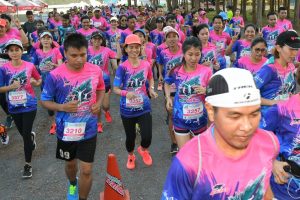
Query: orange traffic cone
114, 189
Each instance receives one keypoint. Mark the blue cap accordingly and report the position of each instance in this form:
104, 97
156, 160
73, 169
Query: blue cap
141, 31
223, 15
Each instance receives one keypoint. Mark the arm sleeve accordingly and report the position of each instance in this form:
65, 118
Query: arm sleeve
35, 74
271, 119
235, 46
58, 54
150, 74
178, 184
49, 90
2, 77
119, 76
101, 85
112, 54
263, 76
170, 78
122, 38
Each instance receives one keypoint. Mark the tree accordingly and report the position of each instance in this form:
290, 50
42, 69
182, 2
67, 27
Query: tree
217, 6
244, 9
254, 17
297, 13
259, 15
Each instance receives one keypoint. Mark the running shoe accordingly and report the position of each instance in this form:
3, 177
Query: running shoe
72, 191
145, 155
52, 130
174, 148
9, 121
160, 87
131, 162
108, 117
27, 173
4, 139
99, 127
33, 140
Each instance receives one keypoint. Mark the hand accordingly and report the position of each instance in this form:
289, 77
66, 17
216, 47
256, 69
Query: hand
130, 95
15, 85
33, 82
199, 89
71, 106
281, 177
235, 37
95, 108
259, 34
118, 36
169, 104
17, 23
152, 93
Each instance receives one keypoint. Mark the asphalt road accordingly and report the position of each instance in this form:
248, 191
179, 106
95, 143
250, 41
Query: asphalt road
49, 181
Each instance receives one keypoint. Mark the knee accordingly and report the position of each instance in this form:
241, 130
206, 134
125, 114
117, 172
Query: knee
86, 171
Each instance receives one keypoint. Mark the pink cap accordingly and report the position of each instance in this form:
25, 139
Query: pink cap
132, 39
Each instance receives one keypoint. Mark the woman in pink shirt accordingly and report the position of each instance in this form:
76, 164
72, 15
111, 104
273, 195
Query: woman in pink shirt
257, 58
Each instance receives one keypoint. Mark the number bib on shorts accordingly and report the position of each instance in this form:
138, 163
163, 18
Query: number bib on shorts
192, 111
17, 97
136, 102
74, 131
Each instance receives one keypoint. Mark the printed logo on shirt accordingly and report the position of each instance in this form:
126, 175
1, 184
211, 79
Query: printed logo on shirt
173, 63
97, 60
137, 80
81, 93
186, 88
209, 57
295, 121
46, 64
21, 76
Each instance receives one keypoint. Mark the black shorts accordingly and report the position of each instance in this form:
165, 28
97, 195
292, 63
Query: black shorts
82, 150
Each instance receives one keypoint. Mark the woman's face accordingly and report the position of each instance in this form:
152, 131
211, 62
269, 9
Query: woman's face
249, 33
192, 56
97, 41
123, 21
46, 41
15, 52
287, 53
133, 50
258, 51
203, 35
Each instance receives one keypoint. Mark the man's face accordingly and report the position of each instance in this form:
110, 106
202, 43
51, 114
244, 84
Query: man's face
218, 24
160, 12
30, 18
90, 15
171, 22
72, 13
97, 14
172, 39
131, 23
65, 22
85, 24
283, 14
76, 57
234, 127
39, 25
272, 19
2, 31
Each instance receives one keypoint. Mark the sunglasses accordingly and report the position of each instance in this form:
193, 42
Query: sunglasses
262, 50
124, 20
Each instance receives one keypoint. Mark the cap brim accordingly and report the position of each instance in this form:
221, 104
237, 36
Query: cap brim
294, 45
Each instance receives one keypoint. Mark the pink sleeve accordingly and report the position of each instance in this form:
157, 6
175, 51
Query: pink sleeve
150, 75
242, 22
35, 74
101, 85
58, 54
112, 54
298, 57
209, 74
228, 39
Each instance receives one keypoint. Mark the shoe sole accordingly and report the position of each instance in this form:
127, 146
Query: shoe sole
25, 177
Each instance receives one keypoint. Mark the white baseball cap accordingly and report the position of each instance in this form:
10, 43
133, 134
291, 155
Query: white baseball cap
170, 29
14, 42
232, 87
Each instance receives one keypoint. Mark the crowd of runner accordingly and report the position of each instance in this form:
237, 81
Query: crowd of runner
226, 84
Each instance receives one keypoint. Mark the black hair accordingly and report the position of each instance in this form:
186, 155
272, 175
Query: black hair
75, 40
197, 29
271, 13
217, 17
85, 17
170, 17
29, 12
122, 16
250, 25
281, 8
188, 44
103, 44
131, 17
41, 30
193, 12
258, 40
229, 7
5, 16
40, 22
66, 16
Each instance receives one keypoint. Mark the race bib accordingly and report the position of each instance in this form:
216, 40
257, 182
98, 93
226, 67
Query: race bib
74, 131
17, 97
97, 24
192, 111
137, 102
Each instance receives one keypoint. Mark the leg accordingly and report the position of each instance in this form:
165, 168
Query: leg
71, 170
105, 103
145, 122
129, 126
3, 103
85, 180
182, 139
